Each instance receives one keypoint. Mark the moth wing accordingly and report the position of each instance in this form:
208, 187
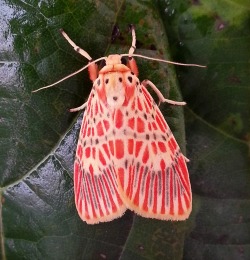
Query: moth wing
153, 179
95, 182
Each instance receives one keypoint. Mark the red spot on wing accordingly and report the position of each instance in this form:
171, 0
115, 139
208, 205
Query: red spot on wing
106, 124
96, 108
163, 166
138, 146
139, 104
111, 147
162, 147
129, 93
118, 119
91, 169
154, 126
89, 106
94, 152
133, 106
155, 192
101, 158
99, 129
145, 156
119, 148
172, 145
148, 106
101, 94
147, 95
79, 151
140, 125
159, 122
121, 176
106, 149
130, 146
154, 147
131, 123
77, 177
101, 109
91, 112
87, 152
162, 120
187, 201
84, 127
89, 131
183, 174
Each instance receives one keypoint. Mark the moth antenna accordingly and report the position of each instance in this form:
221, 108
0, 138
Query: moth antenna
76, 48
161, 60
70, 75
133, 45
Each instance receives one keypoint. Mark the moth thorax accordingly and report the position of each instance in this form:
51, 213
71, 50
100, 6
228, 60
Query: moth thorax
113, 59
114, 89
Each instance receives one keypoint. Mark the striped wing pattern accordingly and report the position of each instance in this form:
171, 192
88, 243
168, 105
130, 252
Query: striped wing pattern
153, 178
95, 180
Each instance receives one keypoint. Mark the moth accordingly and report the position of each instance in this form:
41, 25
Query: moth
127, 156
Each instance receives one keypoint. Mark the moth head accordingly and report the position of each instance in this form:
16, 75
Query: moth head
113, 59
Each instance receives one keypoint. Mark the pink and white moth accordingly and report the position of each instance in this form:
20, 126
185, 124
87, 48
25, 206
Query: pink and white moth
127, 156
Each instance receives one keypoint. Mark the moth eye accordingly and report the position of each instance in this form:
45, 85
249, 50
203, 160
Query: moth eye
124, 61
130, 79
102, 64
98, 82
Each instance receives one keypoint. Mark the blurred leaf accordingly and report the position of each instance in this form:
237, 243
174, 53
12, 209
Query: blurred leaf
215, 33
38, 135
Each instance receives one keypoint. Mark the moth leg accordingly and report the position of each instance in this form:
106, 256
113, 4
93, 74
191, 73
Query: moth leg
159, 94
76, 48
83, 106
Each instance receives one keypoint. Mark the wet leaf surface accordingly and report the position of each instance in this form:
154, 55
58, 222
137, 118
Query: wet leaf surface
38, 135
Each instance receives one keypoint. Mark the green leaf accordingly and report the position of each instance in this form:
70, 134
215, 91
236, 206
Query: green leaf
215, 33
38, 135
